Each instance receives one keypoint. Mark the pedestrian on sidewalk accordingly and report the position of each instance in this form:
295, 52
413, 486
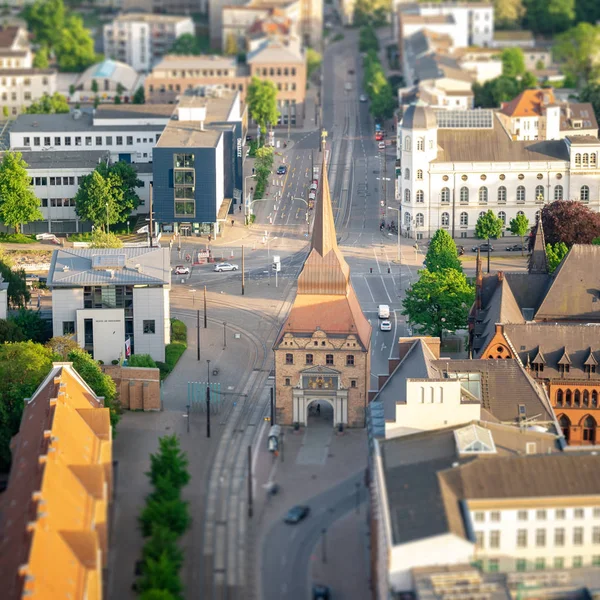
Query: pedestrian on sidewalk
232, 222
318, 409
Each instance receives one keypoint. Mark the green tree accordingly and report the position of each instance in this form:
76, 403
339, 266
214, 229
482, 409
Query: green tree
170, 462
10, 332
155, 594
75, 48
120, 88
161, 541
139, 97
18, 203
171, 513
31, 324
5, 111
368, 40
23, 366
508, 13
102, 239
46, 19
18, 292
549, 16
124, 176
587, 10
262, 102
313, 61
161, 575
578, 49
40, 60
231, 45
492, 93
528, 81
513, 62
97, 200
62, 345
101, 384
117, 100
187, 44
47, 105
520, 226
442, 253
439, 301
489, 226
555, 253
591, 93
94, 86
141, 360
96, 101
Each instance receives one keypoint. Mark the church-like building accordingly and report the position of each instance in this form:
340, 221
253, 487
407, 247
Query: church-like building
322, 352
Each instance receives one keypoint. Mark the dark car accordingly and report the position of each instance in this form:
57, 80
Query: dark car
516, 248
282, 170
248, 138
350, 71
296, 514
483, 248
321, 592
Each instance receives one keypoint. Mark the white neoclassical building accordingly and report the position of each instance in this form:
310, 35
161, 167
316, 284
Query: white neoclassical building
455, 165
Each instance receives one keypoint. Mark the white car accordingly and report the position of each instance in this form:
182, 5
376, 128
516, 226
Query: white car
363, 98
182, 270
312, 195
313, 186
225, 267
382, 145
385, 326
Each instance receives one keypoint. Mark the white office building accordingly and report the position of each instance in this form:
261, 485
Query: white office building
455, 165
140, 39
112, 299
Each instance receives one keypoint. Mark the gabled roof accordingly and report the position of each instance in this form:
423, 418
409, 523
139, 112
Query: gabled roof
564, 359
591, 359
538, 260
529, 103
538, 359
575, 290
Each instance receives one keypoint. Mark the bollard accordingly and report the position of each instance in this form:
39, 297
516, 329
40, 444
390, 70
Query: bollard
388, 269
370, 269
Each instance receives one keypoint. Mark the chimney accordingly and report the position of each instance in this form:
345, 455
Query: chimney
404, 345
434, 345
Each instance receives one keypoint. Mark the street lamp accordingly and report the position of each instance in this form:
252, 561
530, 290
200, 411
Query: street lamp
268, 242
251, 204
246, 196
208, 370
193, 297
307, 208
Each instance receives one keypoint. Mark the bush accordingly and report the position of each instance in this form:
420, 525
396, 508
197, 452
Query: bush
80, 237
178, 331
338, 37
16, 238
141, 360
175, 349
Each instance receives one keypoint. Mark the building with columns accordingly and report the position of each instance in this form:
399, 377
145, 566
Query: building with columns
454, 165
322, 352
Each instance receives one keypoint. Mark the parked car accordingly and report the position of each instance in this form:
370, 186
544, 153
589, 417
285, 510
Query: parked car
350, 71
483, 248
315, 182
385, 326
312, 195
321, 592
381, 145
248, 138
282, 170
296, 514
225, 267
516, 248
182, 270
363, 98
314, 186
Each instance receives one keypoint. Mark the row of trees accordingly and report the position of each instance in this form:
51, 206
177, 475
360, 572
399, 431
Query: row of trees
262, 170
378, 88
24, 365
164, 519
60, 33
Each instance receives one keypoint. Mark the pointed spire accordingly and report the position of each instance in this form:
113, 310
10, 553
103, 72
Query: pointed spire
324, 237
538, 261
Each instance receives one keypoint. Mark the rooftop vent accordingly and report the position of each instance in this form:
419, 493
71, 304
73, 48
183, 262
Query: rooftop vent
474, 439
108, 261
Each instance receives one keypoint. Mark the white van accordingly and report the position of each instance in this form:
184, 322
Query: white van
383, 312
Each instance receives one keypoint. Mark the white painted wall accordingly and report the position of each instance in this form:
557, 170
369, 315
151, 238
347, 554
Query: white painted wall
65, 304
219, 174
150, 304
109, 332
19, 91
3, 300
431, 405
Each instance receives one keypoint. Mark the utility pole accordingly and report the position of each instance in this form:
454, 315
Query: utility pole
198, 332
324, 545
208, 411
243, 274
151, 224
385, 180
250, 511
224, 335
208, 370
205, 320
272, 409
188, 417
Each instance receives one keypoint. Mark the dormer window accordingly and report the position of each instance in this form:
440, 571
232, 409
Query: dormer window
537, 367
577, 124
562, 369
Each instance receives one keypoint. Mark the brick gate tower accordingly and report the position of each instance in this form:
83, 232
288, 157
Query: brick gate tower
322, 352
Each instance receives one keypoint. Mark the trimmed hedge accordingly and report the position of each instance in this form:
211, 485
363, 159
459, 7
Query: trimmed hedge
175, 349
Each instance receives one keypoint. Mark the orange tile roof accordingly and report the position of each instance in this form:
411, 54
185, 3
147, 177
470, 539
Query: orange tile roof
53, 541
529, 103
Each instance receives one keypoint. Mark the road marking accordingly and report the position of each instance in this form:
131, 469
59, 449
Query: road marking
369, 288
395, 334
376, 260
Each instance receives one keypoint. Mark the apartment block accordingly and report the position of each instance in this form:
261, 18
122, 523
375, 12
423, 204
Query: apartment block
140, 39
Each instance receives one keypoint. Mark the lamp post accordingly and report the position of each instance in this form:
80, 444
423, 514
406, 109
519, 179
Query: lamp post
193, 297
307, 208
268, 242
246, 196
251, 204
208, 370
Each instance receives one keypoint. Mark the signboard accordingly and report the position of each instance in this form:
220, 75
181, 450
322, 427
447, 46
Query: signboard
203, 253
239, 147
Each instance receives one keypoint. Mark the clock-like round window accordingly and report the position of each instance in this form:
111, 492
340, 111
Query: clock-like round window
445, 177
559, 176
521, 176
483, 177
502, 177
540, 176
464, 178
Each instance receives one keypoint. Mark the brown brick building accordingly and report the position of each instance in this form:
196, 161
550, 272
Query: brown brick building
322, 353
551, 324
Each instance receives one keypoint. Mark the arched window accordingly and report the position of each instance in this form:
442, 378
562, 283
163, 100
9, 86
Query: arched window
420, 197
565, 426
483, 195
407, 143
520, 212
594, 399
577, 398
419, 220
406, 173
420, 144
407, 219
585, 160
593, 160
502, 217
559, 398
578, 160
589, 430
501, 195
419, 174
445, 195
558, 192
445, 219
521, 194
584, 193
407, 195
568, 398
586, 397
539, 193
464, 195
464, 219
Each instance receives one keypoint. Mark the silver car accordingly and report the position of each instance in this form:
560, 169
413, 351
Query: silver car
225, 267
